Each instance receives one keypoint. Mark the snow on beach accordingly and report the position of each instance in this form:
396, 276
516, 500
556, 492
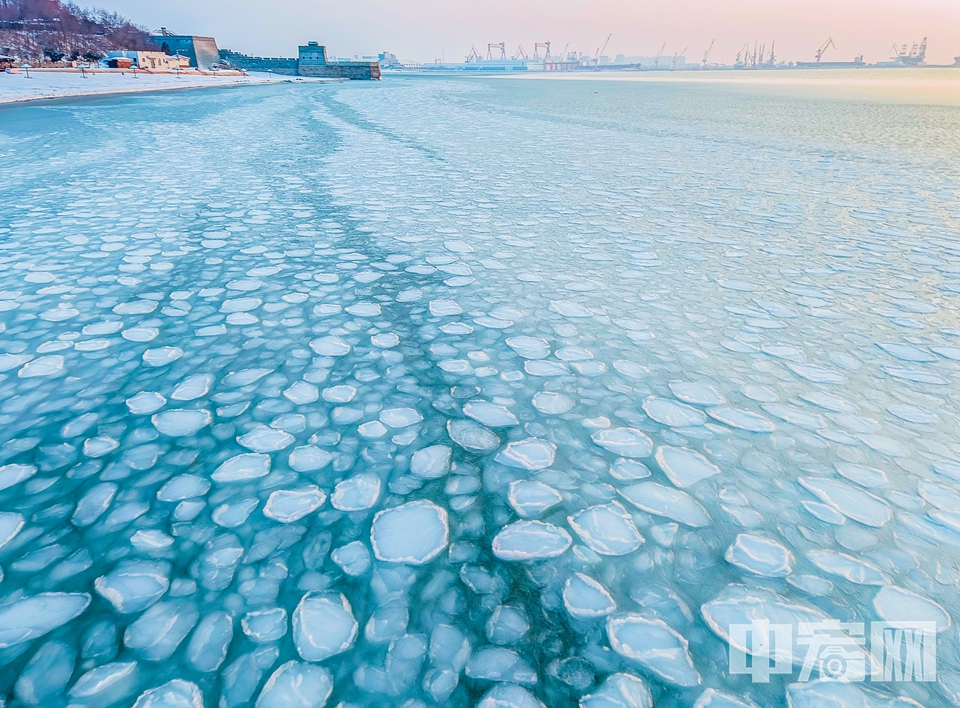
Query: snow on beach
41, 83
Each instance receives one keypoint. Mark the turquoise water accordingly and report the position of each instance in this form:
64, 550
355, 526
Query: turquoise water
474, 392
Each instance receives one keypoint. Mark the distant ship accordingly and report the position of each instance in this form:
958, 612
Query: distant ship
819, 64
855, 64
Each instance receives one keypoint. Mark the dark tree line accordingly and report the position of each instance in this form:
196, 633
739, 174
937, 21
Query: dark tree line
57, 30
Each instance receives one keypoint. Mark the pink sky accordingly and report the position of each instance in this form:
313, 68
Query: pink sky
422, 30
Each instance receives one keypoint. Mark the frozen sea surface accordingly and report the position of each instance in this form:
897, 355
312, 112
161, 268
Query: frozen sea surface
459, 393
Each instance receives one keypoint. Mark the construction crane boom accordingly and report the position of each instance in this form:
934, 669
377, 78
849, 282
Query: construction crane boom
659, 54
602, 49
677, 56
706, 55
824, 47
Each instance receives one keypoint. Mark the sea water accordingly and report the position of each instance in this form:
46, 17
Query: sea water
476, 392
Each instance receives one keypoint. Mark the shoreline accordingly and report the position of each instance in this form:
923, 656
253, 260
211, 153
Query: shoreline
61, 85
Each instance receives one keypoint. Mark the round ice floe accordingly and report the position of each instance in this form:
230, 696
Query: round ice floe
262, 438
607, 529
529, 347
372, 429
289, 505
531, 498
444, 308
431, 462
696, 393
673, 414
619, 691
14, 474
134, 586
27, 618
323, 626
184, 486
626, 442
500, 664
309, 458
181, 422
296, 685
233, 515
145, 403
508, 695
585, 598
868, 477
356, 493
852, 502
630, 369
895, 604
743, 420
544, 368
141, 334
656, 499
162, 356
266, 625
472, 436
339, 394
106, 684
11, 524
302, 393
400, 417
738, 605
242, 468
655, 646
353, 558
414, 533
385, 340
760, 556
530, 540
364, 309
550, 403
567, 308
853, 569
530, 454
136, 307
683, 466
330, 346
173, 694
192, 387
628, 470
245, 377
44, 366
490, 414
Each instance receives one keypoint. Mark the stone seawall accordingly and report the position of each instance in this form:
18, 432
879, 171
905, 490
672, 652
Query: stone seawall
276, 65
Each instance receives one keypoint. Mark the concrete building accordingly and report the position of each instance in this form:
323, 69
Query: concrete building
202, 52
149, 60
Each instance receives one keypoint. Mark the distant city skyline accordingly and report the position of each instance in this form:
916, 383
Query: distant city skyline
426, 30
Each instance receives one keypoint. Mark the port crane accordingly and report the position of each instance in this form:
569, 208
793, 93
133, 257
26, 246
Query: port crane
601, 50
502, 46
773, 53
536, 49
474, 55
656, 62
706, 55
824, 47
520, 54
677, 56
